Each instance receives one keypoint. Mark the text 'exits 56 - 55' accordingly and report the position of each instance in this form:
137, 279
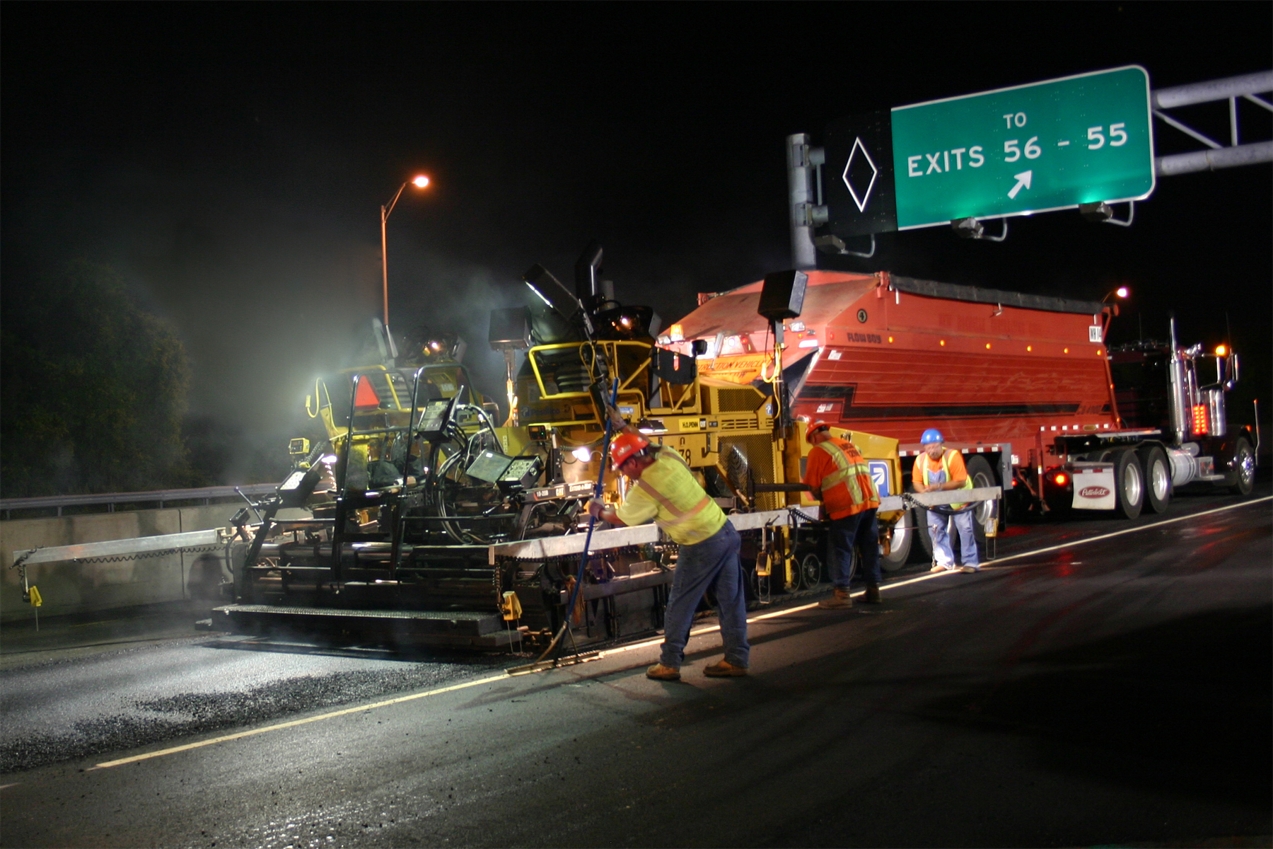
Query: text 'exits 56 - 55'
1048, 145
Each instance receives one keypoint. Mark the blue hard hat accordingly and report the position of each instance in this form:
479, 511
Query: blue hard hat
930, 436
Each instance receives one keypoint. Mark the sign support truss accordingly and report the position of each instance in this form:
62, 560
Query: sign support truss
1248, 87
810, 217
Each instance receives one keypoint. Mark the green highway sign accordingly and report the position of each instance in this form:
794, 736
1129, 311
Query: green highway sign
1030, 148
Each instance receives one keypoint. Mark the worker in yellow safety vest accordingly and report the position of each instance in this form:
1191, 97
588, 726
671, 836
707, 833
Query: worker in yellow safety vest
666, 492
937, 470
839, 477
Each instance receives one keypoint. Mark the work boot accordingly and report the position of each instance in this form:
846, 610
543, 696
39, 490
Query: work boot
838, 601
872, 594
659, 672
969, 570
937, 567
724, 669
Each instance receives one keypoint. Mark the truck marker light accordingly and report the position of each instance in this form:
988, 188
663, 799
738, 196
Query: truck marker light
1067, 350
890, 340
942, 343
1221, 351
1061, 478
1201, 426
1029, 348
987, 346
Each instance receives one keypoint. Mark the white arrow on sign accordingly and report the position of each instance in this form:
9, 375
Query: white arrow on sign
1023, 181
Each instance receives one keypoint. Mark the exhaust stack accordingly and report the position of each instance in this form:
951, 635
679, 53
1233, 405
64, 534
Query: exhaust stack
588, 286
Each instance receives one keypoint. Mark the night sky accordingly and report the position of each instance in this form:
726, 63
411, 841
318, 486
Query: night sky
230, 160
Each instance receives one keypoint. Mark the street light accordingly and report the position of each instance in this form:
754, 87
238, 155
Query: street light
1121, 292
420, 181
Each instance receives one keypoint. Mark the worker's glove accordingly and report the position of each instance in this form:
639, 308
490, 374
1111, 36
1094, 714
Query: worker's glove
616, 420
595, 507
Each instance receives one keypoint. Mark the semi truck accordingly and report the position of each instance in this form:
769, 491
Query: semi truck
1024, 386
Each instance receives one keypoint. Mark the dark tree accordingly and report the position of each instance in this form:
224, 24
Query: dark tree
92, 388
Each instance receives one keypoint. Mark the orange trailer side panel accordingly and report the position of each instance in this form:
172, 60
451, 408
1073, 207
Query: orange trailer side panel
872, 356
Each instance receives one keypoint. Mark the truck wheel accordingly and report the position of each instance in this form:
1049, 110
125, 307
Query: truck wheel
900, 548
919, 518
1129, 484
1157, 478
987, 514
1244, 465
810, 571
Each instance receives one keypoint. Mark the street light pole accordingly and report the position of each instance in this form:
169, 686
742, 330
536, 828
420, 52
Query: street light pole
419, 182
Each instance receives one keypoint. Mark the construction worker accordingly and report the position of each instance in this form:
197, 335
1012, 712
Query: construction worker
665, 490
840, 478
938, 470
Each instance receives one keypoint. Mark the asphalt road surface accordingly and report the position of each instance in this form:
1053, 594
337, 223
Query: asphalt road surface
1101, 683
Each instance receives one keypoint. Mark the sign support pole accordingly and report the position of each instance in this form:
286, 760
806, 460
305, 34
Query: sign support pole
800, 175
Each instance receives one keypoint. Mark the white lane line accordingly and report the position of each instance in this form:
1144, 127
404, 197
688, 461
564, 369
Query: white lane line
1112, 534
706, 629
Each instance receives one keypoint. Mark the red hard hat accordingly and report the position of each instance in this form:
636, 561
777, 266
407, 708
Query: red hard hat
623, 446
813, 427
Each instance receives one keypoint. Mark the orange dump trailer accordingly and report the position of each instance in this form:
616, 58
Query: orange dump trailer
1021, 383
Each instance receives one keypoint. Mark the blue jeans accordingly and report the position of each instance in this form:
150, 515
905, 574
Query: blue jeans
942, 552
712, 564
862, 529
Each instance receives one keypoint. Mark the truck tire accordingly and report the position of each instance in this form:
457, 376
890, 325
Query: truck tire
1129, 483
904, 533
987, 512
919, 517
1153, 461
979, 470
1244, 466
810, 571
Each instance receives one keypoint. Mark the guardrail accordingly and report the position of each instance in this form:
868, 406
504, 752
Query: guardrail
109, 500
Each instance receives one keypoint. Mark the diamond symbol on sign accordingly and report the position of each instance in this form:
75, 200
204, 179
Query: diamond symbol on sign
858, 170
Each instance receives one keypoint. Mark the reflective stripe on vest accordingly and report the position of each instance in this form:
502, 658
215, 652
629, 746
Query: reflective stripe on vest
682, 524
850, 482
945, 470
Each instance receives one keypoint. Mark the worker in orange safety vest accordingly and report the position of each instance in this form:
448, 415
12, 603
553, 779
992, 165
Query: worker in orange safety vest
937, 470
840, 478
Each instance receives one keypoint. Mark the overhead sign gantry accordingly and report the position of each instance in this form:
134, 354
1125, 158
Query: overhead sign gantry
1031, 148
1081, 141
1013, 151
